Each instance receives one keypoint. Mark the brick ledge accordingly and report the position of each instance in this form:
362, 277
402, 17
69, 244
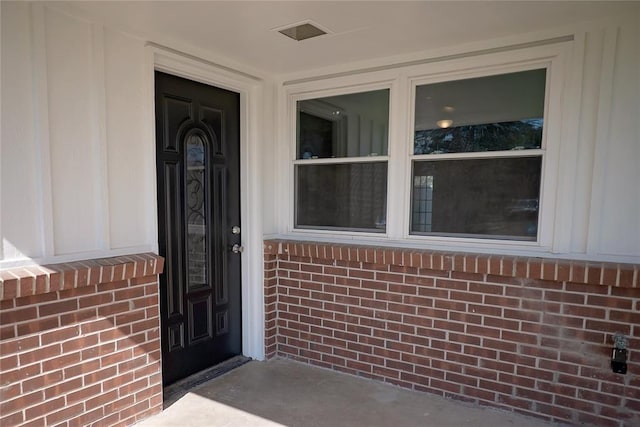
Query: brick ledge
41, 279
580, 272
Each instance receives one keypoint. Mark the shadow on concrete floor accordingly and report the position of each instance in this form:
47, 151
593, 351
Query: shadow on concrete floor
288, 393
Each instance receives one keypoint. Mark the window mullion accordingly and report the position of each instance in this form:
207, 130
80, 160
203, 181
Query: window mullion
398, 190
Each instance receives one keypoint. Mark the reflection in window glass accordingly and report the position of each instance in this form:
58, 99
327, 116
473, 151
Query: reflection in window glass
351, 196
196, 210
492, 198
494, 113
352, 125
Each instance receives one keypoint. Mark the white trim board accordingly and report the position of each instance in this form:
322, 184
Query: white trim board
250, 90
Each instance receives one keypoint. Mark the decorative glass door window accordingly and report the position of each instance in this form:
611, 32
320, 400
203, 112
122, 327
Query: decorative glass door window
341, 162
477, 156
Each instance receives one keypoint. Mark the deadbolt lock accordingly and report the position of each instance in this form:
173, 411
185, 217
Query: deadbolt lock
235, 229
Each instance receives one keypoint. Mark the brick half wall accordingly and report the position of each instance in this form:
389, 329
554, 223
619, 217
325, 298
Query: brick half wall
524, 334
80, 342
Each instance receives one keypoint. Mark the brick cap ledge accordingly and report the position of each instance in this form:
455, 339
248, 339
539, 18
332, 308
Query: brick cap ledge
41, 279
580, 272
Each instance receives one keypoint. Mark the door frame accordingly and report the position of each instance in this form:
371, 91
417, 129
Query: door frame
250, 88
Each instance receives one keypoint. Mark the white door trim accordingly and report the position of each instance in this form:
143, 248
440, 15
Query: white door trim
250, 89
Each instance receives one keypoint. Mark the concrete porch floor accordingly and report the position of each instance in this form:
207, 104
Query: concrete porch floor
283, 392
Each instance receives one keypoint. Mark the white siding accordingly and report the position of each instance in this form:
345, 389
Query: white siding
77, 163
597, 210
77, 147
20, 223
617, 229
72, 134
131, 161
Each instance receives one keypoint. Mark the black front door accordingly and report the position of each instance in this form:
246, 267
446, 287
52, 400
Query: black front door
198, 173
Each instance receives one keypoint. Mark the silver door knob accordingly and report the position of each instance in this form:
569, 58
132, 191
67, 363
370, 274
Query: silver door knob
236, 249
235, 230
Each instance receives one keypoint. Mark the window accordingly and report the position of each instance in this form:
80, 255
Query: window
478, 155
341, 162
455, 154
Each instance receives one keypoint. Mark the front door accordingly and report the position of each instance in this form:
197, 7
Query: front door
198, 173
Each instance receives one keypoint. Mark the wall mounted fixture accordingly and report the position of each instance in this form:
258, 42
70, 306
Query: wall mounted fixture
619, 357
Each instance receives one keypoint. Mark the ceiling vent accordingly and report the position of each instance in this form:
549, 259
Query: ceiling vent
302, 31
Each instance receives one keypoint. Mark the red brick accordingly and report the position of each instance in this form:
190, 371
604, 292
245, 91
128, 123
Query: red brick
41, 381
38, 325
24, 401
625, 316
58, 307
10, 391
35, 356
97, 351
61, 362
501, 301
451, 284
362, 274
12, 419
515, 402
583, 311
96, 300
134, 410
501, 323
87, 418
534, 395
601, 398
111, 309
499, 345
516, 380
10, 288
44, 408
485, 310
18, 315
80, 343
64, 413
62, 388
60, 335
573, 403
584, 288
100, 375
7, 304
625, 277
467, 276
608, 327
445, 385
534, 373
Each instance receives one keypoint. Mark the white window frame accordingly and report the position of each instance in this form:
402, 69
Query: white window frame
541, 152
554, 59
402, 81
294, 161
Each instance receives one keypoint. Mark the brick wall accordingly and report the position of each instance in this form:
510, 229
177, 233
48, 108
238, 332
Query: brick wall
80, 343
529, 335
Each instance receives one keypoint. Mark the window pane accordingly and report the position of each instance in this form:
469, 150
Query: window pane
503, 112
349, 196
196, 210
492, 198
353, 125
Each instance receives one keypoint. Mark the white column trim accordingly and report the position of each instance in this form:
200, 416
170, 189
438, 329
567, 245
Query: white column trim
41, 127
605, 100
98, 100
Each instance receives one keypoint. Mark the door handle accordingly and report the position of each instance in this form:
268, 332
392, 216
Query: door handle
237, 249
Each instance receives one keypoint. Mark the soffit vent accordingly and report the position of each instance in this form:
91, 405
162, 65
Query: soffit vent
302, 31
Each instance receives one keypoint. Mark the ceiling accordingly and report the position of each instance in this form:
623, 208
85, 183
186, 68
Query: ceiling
242, 32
